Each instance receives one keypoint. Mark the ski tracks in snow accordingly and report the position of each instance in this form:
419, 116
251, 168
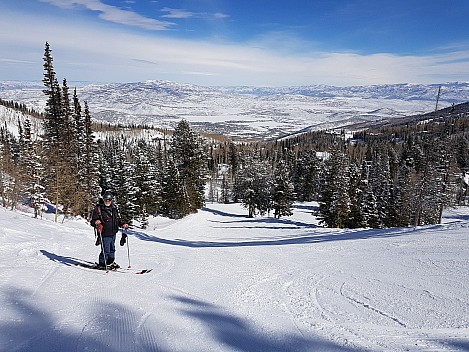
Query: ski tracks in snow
111, 326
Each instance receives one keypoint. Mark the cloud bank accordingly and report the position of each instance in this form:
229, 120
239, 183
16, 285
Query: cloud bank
85, 50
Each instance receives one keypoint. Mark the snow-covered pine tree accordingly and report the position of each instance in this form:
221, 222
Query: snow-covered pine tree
226, 184
253, 186
32, 169
438, 179
175, 202
72, 190
190, 157
53, 119
54, 139
126, 190
380, 179
334, 205
9, 170
117, 174
147, 177
357, 192
88, 159
306, 176
282, 191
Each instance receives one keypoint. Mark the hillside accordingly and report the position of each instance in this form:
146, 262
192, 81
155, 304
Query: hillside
223, 282
441, 115
247, 111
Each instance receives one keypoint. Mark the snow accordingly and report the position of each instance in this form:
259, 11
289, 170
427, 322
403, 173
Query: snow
224, 282
246, 112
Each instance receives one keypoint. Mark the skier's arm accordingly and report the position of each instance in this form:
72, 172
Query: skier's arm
95, 218
120, 222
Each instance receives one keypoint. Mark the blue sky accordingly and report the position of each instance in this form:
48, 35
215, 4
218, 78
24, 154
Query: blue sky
238, 42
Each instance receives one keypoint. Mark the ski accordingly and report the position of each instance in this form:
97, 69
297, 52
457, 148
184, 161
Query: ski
132, 271
119, 270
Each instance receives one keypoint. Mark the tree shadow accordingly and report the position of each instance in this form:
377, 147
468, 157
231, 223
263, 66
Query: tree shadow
240, 335
111, 327
267, 223
104, 327
222, 213
69, 261
306, 207
458, 344
294, 239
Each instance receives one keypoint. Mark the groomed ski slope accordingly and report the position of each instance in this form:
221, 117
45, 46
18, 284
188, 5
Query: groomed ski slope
223, 282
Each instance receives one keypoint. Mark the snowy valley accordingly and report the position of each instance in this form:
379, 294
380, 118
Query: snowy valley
247, 112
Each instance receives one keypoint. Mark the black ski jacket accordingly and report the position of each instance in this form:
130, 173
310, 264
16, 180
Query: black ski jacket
109, 217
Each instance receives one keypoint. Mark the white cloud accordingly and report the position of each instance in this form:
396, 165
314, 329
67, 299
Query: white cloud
16, 61
176, 13
113, 14
90, 51
220, 16
182, 14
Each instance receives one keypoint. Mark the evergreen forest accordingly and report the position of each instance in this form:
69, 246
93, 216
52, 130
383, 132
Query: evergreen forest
390, 175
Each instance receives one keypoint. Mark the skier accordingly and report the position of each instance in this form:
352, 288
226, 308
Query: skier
106, 219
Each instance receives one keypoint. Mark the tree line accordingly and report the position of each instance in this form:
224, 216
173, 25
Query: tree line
399, 175
21, 107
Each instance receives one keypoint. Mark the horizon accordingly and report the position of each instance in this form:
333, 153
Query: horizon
83, 83
256, 44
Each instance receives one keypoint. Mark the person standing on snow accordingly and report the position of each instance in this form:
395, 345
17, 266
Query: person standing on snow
106, 219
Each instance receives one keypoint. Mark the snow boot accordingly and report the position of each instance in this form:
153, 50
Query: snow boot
113, 266
101, 266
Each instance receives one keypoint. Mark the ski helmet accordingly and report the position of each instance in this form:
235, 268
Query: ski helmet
108, 195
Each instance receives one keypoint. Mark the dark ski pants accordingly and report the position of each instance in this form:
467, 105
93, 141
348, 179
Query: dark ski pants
109, 246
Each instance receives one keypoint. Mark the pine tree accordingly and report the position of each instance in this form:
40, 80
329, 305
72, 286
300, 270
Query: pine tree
147, 178
357, 193
254, 186
53, 138
88, 157
283, 191
334, 205
224, 172
189, 155
380, 179
126, 191
72, 193
306, 176
404, 194
53, 122
174, 197
9, 177
31, 169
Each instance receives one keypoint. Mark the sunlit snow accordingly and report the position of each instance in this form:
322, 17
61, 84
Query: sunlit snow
224, 282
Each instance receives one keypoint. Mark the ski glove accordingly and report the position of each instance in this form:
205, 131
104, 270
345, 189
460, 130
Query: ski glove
99, 227
123, 239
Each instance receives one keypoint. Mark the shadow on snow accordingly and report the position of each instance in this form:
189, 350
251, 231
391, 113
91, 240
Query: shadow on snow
241, 335
308, 236
69, 261
102, 327
111, 327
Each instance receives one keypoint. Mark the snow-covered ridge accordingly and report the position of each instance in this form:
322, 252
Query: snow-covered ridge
10, 118
247, 111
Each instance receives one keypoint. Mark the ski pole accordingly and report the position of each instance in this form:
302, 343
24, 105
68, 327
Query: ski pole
128, 251
102, 249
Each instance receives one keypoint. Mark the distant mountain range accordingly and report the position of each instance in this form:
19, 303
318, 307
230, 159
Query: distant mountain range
251, 112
